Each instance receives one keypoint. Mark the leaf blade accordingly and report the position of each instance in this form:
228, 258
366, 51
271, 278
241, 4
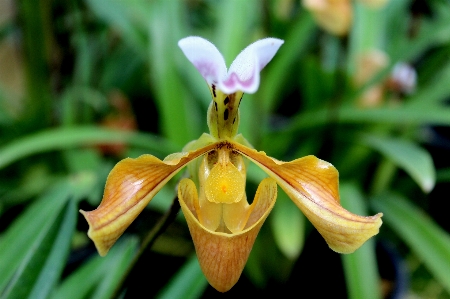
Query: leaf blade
288, 226
416, 161
40, 268
419, 231
60, 250
64, 138
188, 283
27, 232
360, 267
93, 277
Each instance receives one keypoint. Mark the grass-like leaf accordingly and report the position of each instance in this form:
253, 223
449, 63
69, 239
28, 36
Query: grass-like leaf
295, 44
40, 268
407, 155
28, 232
410, 115
125, 17
188, 283
434, 92
288, 226
64, 138
427, 240
360, 267
56, 260
99, 276
176, 110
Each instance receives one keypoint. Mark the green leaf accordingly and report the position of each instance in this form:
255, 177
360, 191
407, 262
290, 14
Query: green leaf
407, 115
188, 283
232, 33
81, 282
416, 161
434, 92
56, 260
166, 26
28, 231
443, 175
296, 43
36, 31
432, 33
34, 181
360, 267
116, 269
288, 226
428, 241
43, 263
367, 32
318, 82
37, 223
6, 118
127, 18
100, 275
84, 159
65, 138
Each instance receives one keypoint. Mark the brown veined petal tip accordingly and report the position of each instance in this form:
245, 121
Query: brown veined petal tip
101, 241
130, 186
313, 185
353, 236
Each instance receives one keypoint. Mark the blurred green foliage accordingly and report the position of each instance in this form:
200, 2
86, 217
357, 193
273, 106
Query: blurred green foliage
84, 84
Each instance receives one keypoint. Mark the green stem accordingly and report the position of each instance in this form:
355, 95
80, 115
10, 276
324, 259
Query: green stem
135, 268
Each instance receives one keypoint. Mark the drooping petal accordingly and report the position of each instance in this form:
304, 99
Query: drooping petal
193, 167
235, 216
208, 213
222, 256
205, 57
130, 186
243, 74
313, 186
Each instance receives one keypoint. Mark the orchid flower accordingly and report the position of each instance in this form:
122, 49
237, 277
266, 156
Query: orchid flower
222, 224
336, 16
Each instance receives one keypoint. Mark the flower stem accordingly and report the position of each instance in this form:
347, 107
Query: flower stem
134, 269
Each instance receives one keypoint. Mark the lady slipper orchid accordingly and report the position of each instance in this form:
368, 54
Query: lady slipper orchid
334, 16
223, 225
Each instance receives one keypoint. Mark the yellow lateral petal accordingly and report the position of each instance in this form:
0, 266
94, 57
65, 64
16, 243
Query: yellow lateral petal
208, 213
266, 189
235, 215
313, 186
130, 186
222, 256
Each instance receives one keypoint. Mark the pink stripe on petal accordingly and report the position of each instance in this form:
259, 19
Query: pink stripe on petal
205, 57
252, 60
208, 71
234, 83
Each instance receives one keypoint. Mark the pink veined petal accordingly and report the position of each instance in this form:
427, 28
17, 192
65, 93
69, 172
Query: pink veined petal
243, 74
205, 57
